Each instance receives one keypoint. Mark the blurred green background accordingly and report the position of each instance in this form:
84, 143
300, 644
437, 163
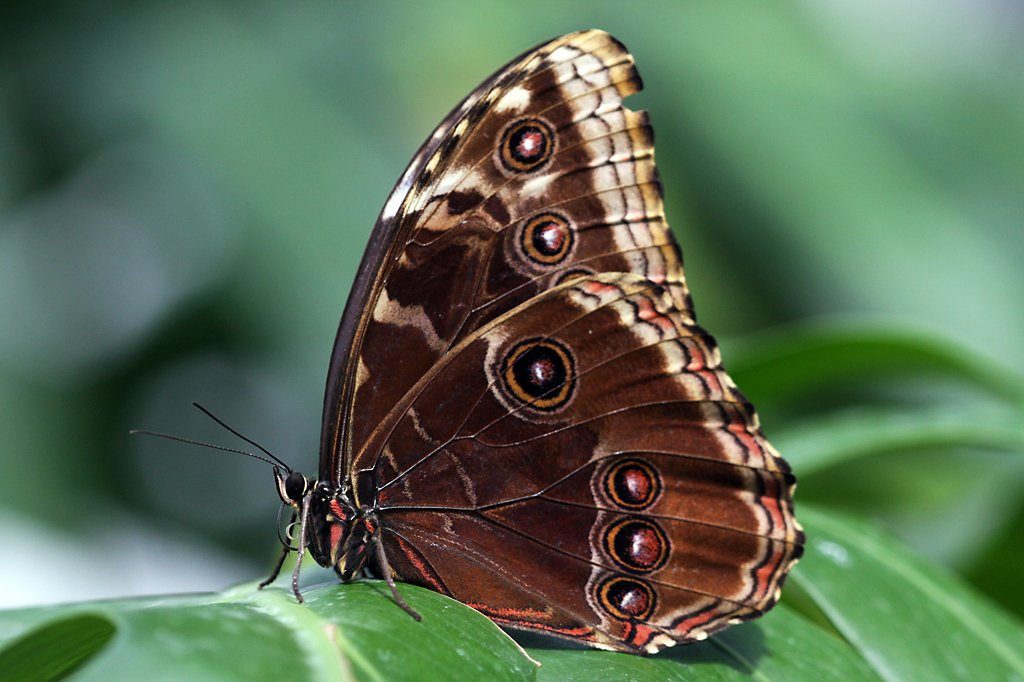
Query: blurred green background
186, 190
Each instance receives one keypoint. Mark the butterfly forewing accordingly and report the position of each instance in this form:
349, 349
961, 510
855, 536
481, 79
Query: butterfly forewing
475, 232
522, 391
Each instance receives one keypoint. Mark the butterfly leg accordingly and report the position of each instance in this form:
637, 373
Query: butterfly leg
277, 567
284, 555
385, 570
301, 551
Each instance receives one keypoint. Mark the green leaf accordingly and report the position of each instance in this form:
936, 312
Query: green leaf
826, 441
344, 632
792, 362
55, 650
451, 642
859, 606
908, 618
774, 648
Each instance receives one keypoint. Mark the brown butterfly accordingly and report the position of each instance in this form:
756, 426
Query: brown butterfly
521, 412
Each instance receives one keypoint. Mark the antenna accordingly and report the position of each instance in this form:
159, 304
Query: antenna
262, 449
270, 458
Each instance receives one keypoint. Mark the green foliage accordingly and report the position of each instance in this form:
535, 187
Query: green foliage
872, 610
186, 188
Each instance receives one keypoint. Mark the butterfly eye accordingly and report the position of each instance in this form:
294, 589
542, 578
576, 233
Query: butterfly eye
626, 598
526, 145
540, 373
547, 238
295, 486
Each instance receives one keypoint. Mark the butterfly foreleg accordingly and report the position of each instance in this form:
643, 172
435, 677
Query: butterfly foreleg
301, 551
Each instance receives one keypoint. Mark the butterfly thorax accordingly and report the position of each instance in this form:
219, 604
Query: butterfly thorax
336, 532
339, 533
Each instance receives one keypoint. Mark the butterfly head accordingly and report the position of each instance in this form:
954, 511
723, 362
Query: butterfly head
336, 532
291, 486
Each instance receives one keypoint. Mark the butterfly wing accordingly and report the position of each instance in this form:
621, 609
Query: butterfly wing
583, 466
551, 437
538, 175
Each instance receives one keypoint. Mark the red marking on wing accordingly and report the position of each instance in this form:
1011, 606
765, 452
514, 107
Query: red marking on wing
770, 502
764, 574
420, 567
338, 512
336, 530
686, 626
507, 611
641, 634
530, 618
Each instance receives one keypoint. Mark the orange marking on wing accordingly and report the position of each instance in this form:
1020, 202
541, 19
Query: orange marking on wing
698, 360
598, 288
714, 386
748, 441
648, 313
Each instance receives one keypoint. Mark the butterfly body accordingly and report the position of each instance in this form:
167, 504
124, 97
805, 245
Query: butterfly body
521, 411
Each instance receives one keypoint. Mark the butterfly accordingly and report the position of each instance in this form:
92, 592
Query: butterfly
521, 412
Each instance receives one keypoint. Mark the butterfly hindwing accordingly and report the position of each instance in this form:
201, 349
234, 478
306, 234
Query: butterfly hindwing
598, 464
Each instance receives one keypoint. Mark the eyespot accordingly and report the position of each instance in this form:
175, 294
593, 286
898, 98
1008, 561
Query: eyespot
526, 145
632, 484
540, 373
571, 274
626, 598
547, 238
637, 544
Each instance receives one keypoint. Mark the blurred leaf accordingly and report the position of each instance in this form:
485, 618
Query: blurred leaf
947, 492
796, 360
835, 187
908, 618
53, 651
817, 444
832, 157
